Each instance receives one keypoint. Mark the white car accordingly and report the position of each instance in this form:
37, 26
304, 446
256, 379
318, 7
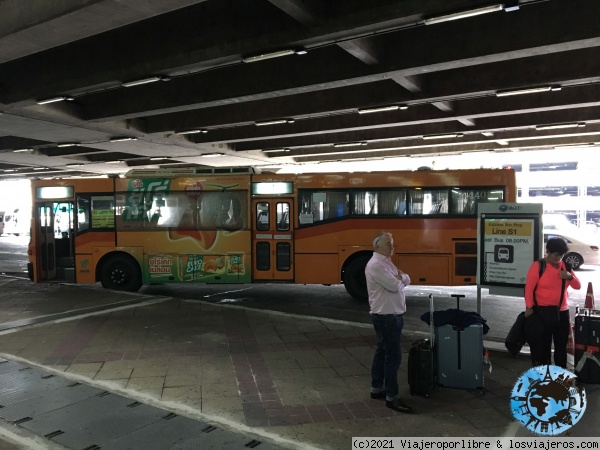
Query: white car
583, 249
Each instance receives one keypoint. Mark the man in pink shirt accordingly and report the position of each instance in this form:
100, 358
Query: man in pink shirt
385, 286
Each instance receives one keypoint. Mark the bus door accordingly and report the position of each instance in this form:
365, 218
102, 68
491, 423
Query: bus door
55, 222
272, 238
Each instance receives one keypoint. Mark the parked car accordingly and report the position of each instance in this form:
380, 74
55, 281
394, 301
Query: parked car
554, 221
15, 223
583, 249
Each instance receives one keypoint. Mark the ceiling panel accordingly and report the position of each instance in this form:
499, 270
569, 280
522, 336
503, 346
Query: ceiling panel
281, 83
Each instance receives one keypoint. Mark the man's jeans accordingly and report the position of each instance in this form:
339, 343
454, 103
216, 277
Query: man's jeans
388, 355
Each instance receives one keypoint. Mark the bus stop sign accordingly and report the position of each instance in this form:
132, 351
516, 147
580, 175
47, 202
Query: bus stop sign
509, 239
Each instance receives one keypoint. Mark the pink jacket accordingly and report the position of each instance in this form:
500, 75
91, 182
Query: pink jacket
549, 285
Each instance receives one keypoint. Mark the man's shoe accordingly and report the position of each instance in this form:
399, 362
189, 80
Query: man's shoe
398, 405
377, 395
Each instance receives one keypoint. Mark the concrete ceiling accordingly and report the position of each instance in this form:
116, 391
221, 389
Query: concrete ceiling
345, 56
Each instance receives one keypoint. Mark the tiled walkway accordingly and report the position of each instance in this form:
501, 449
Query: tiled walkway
301, 381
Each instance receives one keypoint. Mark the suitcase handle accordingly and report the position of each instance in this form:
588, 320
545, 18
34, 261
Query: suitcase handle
458, 297
431, 326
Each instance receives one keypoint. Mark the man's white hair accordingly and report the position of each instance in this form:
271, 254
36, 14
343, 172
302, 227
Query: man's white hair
379, 236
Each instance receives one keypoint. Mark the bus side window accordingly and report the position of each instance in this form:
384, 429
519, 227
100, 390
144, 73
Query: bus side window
262, 216
234, 219
283, 216
187, 219
428, 201
83, 213
464, 200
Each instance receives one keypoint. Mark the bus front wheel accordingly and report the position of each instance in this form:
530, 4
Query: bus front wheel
354, 277
121, 273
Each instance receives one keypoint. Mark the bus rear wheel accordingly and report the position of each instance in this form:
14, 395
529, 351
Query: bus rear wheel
354, 279
121, 273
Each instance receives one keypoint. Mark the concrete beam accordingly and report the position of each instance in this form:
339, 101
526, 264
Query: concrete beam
487, 44
37, 25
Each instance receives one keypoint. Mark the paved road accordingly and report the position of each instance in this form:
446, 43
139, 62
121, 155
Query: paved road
328, 301
13, 254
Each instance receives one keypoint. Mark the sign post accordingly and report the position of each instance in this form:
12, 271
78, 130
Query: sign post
509, 239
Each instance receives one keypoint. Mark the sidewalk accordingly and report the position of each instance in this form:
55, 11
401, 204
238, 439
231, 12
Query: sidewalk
296, 381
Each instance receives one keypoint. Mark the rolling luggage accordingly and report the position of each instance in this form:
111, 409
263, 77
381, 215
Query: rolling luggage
459, 354
587, 345
516, 338
421, 363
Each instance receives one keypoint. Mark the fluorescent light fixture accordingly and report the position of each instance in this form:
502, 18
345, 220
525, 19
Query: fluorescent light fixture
74, 165
141, 81
381, 109
53, 100
116, 161
487, 133
39, 168
68, 144
502, 142
159, 158
274, 150
572, 146
23, 150
443, 136
464, 14
122, 139
282, 187
194, 131
533, 90
10, 170
349, 144
273, 122
211, 155
263, 56
556, 126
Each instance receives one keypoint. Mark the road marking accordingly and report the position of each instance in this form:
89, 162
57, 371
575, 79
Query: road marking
228, 292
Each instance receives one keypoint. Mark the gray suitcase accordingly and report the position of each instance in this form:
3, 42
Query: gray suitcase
459, 355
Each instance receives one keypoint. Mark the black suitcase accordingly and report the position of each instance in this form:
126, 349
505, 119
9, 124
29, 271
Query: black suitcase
421, 363
587, 345
516, 338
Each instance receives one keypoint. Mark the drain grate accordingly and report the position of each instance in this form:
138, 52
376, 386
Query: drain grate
48, 400
76, 415
54, 434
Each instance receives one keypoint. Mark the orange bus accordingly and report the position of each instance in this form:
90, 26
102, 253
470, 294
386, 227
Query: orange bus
234, 225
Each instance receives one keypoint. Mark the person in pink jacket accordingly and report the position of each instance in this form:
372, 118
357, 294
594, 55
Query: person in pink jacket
547, 292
